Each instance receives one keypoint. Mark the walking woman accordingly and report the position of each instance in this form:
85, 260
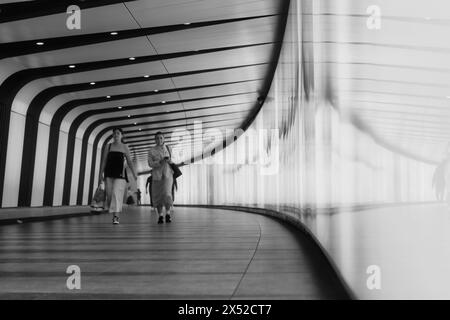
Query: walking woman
113, 171
159, 159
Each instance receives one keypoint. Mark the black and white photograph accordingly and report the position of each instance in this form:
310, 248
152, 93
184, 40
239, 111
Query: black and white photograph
224, 154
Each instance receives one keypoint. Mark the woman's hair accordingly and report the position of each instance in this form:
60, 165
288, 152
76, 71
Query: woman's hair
120, 130
159, 133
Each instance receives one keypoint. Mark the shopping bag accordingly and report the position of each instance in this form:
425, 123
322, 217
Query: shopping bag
98, 201
130, 200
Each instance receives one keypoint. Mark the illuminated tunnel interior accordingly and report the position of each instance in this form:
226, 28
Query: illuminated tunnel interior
320, 122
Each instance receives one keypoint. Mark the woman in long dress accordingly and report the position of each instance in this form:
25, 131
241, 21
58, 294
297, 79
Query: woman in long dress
159, 159
114, 172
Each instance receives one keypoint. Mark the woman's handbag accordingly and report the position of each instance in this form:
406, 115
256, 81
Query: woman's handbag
176, 170
130, 200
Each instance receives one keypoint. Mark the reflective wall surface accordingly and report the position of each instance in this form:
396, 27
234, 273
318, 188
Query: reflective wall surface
348, 141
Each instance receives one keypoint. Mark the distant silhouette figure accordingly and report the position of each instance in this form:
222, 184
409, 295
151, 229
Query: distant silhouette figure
446, 169
138, 197
438, 182
441, 178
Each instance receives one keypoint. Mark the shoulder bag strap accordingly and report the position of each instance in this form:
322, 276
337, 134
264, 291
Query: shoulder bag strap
168, 150
124, 170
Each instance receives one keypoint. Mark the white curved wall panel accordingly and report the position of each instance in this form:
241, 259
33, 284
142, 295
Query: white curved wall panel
13, 165
60, 169
40, 166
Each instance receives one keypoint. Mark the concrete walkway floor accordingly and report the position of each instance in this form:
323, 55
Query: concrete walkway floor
202, 254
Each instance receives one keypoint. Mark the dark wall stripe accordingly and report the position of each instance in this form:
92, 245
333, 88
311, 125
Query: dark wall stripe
281, 28
31, 9
140, 147
4, 123
149, 132
147, 138
19, 48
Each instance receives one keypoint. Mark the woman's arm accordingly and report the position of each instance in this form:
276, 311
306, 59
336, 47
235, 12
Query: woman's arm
103, 165
130, 163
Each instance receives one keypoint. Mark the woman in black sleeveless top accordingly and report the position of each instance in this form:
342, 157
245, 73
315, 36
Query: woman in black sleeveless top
115, 175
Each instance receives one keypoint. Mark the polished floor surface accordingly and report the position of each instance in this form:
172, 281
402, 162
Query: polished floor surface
202, 254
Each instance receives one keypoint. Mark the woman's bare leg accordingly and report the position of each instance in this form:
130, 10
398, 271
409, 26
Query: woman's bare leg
159, 209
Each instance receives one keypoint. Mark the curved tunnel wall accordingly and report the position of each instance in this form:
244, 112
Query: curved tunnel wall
310, 157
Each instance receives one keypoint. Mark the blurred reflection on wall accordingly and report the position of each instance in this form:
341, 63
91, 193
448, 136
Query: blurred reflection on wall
328, 156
